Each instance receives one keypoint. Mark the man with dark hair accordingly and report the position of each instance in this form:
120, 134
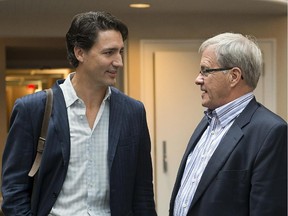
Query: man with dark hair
96, 159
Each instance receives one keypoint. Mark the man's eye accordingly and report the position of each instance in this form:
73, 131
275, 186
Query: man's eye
108, 52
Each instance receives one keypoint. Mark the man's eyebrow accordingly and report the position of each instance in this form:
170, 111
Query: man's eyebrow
112, 49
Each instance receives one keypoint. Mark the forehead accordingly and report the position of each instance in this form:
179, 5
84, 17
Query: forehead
109, 39
109, 35
208, 57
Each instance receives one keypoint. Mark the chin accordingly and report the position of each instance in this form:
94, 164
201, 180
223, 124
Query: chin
111, 82
204, 103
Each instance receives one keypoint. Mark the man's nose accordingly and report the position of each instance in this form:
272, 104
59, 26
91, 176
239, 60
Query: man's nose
199, 79
118, 61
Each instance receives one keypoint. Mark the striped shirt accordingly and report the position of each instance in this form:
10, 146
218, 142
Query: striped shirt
220, 120
86, 187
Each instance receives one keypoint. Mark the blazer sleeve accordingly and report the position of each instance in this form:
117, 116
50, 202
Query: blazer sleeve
269, 178
18, 156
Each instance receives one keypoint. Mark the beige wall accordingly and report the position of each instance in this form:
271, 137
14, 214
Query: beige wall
166, 27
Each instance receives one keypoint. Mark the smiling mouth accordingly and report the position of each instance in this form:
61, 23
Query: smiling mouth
203, 91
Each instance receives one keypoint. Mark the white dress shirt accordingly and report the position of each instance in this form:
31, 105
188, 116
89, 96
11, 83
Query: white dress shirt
86, 187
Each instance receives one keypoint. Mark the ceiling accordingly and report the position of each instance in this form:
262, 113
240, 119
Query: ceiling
50, 18
65, 9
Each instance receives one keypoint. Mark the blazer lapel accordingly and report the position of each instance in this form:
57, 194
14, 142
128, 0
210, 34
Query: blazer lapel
115, 119
60, 122
218, 159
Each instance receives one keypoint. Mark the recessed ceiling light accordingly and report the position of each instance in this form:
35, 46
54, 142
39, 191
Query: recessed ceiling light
139, 5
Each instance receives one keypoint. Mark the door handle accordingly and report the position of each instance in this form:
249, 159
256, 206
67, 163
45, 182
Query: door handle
165, 165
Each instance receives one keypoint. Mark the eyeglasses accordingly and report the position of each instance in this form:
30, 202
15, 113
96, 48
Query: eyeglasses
206, 72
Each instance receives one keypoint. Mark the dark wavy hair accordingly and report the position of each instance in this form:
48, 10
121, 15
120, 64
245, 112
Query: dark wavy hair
84, 30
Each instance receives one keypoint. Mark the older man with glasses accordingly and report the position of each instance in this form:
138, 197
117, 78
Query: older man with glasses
236, 160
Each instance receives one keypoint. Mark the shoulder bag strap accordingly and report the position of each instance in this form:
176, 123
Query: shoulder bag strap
44, 128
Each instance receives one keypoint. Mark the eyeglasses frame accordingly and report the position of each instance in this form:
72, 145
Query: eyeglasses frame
206, 72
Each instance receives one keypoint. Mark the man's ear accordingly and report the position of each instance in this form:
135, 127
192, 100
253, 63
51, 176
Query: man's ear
235, 75
79, 54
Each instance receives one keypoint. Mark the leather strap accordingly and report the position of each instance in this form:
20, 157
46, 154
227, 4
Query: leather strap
44, 128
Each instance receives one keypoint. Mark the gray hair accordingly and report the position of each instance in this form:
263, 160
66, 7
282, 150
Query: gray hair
236, 50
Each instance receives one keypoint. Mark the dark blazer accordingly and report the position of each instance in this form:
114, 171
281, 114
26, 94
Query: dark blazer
131, 188
247, 174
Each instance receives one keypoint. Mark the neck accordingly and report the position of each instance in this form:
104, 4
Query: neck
92, 96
